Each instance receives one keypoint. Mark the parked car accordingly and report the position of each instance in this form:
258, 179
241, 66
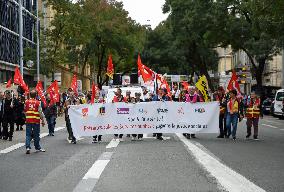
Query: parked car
267, 105
278, 103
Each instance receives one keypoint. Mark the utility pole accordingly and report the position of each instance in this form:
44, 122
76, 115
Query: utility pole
21, 37
37, 43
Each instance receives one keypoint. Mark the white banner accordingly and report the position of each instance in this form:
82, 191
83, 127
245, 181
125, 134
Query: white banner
148, 117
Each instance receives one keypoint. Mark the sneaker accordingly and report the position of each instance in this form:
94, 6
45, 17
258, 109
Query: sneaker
40, 150
28, 151
73, 142
248, 136
255, 138
52, 134
234, 138
94, 141
140, 139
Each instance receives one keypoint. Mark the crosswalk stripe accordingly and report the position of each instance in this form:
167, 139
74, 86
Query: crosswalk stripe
230, 180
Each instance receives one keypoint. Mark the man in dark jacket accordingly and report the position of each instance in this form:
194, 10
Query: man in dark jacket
8, 116
50, 113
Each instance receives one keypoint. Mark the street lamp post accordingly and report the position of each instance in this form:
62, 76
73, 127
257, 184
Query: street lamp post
21, 37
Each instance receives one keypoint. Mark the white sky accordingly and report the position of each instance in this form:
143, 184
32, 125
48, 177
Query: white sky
143, 10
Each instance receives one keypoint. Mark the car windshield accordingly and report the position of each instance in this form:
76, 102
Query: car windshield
280, 96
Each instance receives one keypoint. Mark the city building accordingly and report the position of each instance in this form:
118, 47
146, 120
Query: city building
10, 37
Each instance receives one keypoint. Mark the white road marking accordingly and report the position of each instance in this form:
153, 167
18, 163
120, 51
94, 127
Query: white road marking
12, 148
96, 170
230, 180
88, 182
113, 143
270, 126
19, 145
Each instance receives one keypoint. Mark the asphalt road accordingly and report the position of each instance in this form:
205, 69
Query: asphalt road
175, 164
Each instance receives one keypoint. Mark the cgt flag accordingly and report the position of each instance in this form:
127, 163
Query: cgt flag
147, 73
202, 86
74, 84
94, 92
40, 92
53, 91
234, 84
110, 67
18, 79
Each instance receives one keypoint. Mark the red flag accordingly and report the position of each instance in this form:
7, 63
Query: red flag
74, 85
18, 79
234, 84
166, 85
9, 83
94, 92
185, 85
147, 73
40, 92
53, 91
110, 67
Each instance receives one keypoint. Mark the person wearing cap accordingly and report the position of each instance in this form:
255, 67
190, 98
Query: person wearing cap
34, 115
8, 116
71, 100
253, 113
234, 112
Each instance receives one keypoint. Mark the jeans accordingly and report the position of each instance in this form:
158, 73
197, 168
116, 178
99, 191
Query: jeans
35, 128
232, 120
50, 122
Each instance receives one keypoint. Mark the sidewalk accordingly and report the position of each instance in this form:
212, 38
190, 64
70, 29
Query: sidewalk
20, 136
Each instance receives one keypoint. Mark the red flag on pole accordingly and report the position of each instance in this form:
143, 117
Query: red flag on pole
9, 83
74, 85
110, 67
166, 86
40, 92
147, 73
234, 84
53, 91
94, 92
18, 79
